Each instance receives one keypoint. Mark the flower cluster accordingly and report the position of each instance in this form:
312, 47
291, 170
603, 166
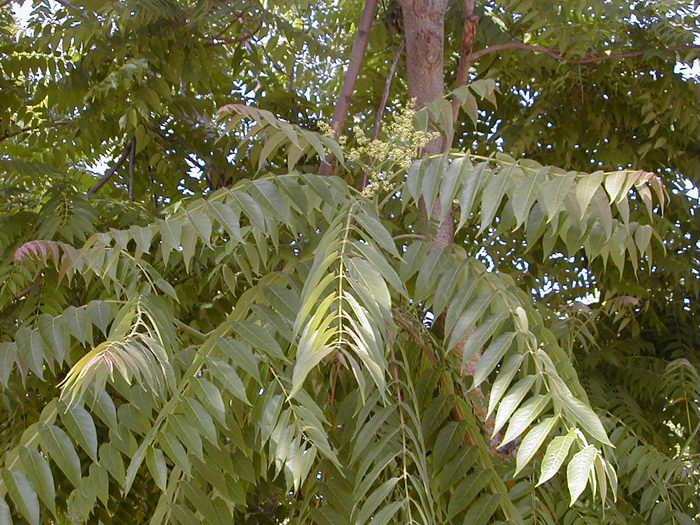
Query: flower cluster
388, 158
377, 184
401, 143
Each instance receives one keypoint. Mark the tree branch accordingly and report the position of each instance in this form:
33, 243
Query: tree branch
195, 162
9, 135
228, 26
357, 55
69, 6
556, 55
387, 87
111, 171
66, 4
218, 41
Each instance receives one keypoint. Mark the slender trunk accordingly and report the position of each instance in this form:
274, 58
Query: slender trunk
357, 55
424, 24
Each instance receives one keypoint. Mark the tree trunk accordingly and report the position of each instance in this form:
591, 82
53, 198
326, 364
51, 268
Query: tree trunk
424, 25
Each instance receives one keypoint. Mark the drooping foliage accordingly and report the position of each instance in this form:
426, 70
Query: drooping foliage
217, 334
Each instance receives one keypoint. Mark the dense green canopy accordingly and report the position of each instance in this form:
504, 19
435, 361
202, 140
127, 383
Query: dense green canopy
196, 326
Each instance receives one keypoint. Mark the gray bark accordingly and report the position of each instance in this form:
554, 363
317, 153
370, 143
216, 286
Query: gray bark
424, 25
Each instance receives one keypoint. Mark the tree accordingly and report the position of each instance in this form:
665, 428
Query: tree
195, 326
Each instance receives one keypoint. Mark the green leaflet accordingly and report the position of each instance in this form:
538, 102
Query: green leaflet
525, 194
467, 491
174, 449
111, 460
143, 237
81, 427
55, 335
200, 418
554, 192
241, 355
449, 184
586, 188
375, 499
493, 194
309, 353
378, 233
601, 478
524, 416
22, 495
386, 513
614, 183
554, 456
427, 274
228, 377
471, 185
8, 355
210, 397
505, 376
612, 478
56, 443
228, 217
469, 318
170, 235
39, 474
5, 516
477, 339
257, 337
447, 442
31, 350
578, 471
431, 182
186, 434
482, 510
532, 442
511, 401
587, 418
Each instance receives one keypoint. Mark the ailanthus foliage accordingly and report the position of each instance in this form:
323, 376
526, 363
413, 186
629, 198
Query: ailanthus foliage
209, 331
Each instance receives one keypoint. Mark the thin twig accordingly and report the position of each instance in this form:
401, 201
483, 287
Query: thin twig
195, 162
228, 26
382, 104
387, 87
589, 59
66, 4
111, 171
417, 338
238, 40
409, 236
69, 6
